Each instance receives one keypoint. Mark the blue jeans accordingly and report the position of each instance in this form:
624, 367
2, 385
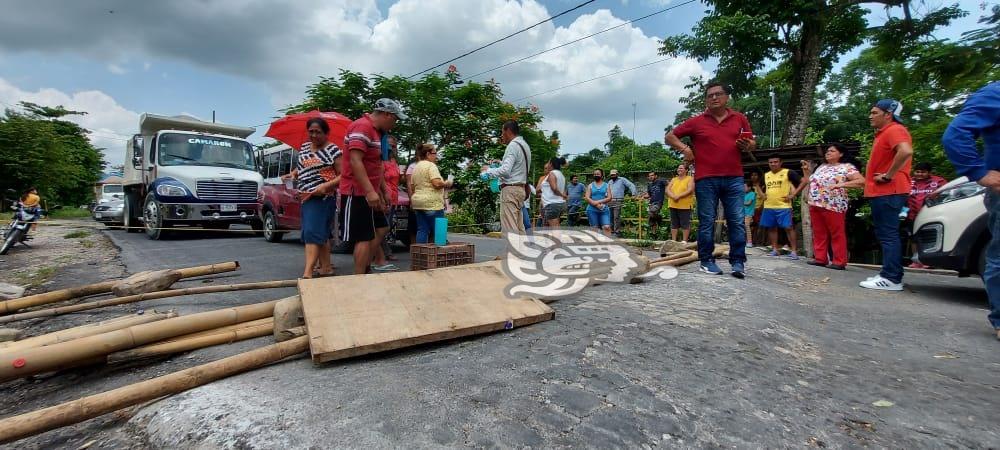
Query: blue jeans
992, 276
708, 193
425, 224
885, 218
526, 218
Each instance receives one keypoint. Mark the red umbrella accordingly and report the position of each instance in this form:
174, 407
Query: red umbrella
291, 129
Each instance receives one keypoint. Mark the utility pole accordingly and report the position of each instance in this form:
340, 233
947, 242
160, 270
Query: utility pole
772, 118
213, 116
633, 132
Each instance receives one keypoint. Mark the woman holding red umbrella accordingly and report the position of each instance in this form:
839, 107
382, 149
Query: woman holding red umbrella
317, 176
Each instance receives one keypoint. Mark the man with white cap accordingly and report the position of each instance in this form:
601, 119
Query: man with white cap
887, 186
363, 193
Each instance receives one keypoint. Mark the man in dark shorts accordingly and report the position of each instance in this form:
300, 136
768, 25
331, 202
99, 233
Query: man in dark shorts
363, 195
655, 191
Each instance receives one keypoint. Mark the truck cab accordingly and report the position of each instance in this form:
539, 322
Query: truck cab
181, 171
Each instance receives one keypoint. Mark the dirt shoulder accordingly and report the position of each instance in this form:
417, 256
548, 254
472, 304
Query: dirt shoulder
62, 253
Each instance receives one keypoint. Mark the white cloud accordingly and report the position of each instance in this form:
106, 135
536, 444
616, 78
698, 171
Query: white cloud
108, 121
116, 69
304, 40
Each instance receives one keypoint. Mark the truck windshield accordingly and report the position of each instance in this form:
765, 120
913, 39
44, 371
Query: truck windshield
193, 150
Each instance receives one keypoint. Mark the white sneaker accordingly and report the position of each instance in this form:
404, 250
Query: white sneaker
879, 283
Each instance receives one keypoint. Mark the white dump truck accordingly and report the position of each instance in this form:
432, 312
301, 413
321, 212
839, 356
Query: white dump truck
181, 171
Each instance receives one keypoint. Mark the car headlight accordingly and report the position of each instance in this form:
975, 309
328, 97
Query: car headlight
170, 190
957, 192
120, 207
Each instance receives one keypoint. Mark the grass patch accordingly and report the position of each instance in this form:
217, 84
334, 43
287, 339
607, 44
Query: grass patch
69, 213
87, 244
76, 234
33, 279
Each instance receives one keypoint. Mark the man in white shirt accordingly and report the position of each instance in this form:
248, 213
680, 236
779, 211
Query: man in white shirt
513, 175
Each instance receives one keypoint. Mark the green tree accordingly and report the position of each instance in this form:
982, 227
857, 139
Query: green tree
38, 148
807, 36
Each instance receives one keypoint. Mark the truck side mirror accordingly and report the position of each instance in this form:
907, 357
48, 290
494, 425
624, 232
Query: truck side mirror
137, 152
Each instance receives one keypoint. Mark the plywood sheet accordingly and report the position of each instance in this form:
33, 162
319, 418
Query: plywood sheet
360, 314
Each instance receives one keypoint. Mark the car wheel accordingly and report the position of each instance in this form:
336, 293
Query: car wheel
270, 228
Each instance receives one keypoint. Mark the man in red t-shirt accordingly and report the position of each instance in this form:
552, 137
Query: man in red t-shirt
718, 136
363, 194
887, 186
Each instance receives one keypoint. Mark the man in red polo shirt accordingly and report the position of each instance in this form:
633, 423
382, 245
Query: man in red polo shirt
717, 137
363, 193
887, 186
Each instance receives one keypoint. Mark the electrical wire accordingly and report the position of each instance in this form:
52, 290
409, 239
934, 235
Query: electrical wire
593, 79
582, 38
581, 5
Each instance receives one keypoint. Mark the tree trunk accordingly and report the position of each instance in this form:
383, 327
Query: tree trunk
807, 68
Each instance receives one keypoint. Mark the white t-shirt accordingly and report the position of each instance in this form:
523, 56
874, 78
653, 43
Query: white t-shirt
527, 201
549, 196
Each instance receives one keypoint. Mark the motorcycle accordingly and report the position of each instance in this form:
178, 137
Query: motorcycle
16, 232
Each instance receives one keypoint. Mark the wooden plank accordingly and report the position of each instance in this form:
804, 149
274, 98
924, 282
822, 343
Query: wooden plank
359, 314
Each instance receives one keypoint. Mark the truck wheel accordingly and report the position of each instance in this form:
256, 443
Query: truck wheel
152, 216
129, 216
270, 228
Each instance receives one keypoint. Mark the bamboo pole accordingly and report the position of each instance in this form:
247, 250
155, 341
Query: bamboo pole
677, 255
86, 330
149, 296
32, 423
719, 251
31, 361
219, 336
227, 328
9, 306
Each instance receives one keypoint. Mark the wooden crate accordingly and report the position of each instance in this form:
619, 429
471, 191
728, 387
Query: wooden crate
430, 256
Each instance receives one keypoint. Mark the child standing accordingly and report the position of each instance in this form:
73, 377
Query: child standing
749, 204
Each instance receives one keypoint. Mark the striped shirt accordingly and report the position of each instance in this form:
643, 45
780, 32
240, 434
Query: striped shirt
362, 135
315, 167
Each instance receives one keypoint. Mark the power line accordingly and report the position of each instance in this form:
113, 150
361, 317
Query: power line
580, 39
593, 79
581, 5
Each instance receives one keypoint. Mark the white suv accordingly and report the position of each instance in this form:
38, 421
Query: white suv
951, 231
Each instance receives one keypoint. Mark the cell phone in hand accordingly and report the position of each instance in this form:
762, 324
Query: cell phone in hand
746, 135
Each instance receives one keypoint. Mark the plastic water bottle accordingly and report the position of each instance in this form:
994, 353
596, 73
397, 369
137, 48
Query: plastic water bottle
441, 231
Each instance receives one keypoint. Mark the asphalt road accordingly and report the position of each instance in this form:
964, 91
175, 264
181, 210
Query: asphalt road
793, 356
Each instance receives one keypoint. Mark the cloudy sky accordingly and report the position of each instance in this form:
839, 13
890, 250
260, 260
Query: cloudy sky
244, 59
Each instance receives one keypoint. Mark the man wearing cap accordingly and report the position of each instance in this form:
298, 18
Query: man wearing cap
617, 185
718, 138
363, 193
980, 118
513, 175
887, 187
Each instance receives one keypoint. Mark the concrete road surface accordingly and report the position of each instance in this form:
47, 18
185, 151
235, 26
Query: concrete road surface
793, 356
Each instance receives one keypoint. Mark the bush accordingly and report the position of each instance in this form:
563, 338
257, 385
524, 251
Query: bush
462, 220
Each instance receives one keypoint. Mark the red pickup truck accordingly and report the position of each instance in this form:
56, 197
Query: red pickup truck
280, 210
